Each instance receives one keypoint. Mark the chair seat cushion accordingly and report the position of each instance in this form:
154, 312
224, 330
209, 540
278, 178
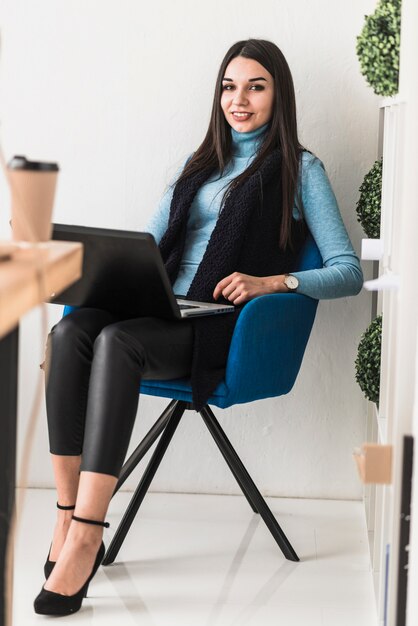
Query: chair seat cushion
180, 389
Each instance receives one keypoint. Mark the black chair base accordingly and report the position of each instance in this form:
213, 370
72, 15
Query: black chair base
166, 426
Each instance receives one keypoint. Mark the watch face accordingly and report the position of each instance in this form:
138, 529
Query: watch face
292, 282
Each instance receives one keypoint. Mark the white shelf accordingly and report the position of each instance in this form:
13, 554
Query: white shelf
391, 100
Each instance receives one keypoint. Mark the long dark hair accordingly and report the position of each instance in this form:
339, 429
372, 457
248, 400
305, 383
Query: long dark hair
215, 151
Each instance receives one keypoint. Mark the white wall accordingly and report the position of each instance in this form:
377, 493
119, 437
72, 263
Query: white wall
119, 93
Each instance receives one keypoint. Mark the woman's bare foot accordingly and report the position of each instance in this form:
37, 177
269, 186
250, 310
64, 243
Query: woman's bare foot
76, 559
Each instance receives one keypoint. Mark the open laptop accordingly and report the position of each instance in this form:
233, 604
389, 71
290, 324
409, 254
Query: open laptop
124, 273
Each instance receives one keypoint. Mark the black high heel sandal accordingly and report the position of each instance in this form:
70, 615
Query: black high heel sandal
51, 603
49, 565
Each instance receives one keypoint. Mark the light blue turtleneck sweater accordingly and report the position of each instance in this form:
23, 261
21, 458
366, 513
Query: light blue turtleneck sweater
341, 275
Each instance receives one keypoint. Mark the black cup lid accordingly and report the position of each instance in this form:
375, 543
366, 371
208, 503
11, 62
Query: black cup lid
22, 163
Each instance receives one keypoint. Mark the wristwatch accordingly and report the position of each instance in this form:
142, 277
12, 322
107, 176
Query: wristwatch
291, 282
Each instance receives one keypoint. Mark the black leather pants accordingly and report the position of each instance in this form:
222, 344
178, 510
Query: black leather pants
94, 364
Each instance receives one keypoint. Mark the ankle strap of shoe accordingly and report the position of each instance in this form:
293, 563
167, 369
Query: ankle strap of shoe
90, 521
71, 507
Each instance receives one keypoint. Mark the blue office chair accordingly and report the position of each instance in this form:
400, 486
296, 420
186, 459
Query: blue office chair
265, 355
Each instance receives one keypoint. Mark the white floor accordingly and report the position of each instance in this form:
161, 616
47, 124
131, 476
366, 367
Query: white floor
204, 560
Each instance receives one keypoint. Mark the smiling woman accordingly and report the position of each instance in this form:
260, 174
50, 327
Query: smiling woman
253, 116
237, 245
254, 73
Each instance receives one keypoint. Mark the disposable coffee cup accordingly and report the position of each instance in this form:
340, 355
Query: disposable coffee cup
32, 187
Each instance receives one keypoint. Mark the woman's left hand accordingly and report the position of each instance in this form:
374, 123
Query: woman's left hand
239, 288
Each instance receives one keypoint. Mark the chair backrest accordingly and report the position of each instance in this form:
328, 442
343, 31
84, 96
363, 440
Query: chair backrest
272, 332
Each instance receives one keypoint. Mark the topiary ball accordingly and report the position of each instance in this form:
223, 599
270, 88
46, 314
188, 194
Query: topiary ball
368, 360
378, 47
368, 207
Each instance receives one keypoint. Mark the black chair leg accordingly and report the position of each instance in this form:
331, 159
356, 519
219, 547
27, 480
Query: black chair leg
247, 483
242, 486
141, 450
153, 434
146, 479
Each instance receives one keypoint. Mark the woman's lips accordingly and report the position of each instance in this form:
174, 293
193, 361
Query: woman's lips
241, 118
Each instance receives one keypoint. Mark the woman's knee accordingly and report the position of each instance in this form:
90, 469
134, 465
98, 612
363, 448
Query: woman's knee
83, 323
113, 341
66, 329
67, 339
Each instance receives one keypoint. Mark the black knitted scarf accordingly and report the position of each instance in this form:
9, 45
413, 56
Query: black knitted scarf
245, 239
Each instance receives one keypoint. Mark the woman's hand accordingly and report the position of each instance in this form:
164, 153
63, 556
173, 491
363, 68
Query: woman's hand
239, 288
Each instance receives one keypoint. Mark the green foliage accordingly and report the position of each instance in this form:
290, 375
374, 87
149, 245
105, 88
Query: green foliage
368, 360
378, 47
369, 204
